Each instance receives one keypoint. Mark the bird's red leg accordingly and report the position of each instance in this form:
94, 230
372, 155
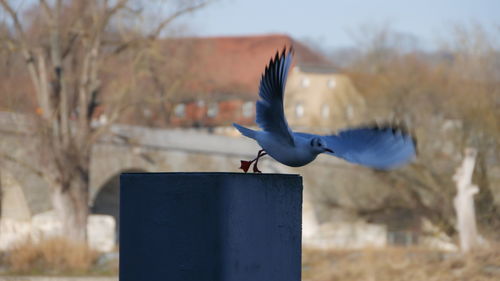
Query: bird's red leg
245, 165
255, 169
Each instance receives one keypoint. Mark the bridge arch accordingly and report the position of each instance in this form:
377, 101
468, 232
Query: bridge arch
107, 199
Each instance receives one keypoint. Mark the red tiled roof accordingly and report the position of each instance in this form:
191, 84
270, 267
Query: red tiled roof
232, 66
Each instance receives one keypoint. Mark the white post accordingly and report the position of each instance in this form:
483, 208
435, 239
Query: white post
464, 202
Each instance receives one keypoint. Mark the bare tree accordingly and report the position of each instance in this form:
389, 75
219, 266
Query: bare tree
449, 100
64, 45
464, 202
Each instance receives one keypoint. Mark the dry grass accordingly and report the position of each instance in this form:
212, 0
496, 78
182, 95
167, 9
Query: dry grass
59, 256
51, 256
400, 265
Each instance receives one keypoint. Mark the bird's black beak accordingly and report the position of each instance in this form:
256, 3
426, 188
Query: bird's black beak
329, 150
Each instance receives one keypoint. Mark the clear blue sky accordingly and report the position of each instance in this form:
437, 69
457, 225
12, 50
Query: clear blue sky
330, 23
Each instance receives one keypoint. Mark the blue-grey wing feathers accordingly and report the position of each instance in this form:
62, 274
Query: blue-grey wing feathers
270, 115
381, 148
245, 131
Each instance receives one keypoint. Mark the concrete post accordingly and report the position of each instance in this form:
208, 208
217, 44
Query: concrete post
210, 226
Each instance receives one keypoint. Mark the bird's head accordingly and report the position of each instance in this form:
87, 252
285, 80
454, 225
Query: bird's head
318, 145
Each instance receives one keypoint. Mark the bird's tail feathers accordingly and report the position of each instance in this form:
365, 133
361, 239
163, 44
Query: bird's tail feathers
245, 131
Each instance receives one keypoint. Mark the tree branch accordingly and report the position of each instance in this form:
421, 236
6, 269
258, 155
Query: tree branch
26, 51
44, 100
97, 133
159, 28
29, 167
70, 45
46, 9
175, 15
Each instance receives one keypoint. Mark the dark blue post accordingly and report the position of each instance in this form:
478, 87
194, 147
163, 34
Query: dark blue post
210, 227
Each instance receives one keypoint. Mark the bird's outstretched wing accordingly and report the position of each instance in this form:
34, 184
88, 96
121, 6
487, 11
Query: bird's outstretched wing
381, 148
270, 114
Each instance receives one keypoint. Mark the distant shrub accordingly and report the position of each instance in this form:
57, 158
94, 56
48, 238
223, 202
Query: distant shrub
50, 256
400, 264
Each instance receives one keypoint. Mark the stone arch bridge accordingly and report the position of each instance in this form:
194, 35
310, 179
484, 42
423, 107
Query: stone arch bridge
327, 181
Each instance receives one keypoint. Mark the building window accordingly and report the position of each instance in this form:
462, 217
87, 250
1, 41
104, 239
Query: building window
103, 119
349, 112
180, 110
331, 83
247, 109
325, 111
299, 110
146, 112
305, 82
213, 110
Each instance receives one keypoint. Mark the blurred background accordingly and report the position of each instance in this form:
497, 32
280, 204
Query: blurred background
91, 89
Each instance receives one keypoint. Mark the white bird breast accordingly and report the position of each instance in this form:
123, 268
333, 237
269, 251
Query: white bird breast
298, 155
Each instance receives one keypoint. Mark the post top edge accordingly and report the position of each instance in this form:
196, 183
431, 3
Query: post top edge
206, 174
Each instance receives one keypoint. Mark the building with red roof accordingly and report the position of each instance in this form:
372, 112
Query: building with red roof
226, 72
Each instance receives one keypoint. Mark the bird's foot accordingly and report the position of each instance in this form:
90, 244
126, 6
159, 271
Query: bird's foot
245, 165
